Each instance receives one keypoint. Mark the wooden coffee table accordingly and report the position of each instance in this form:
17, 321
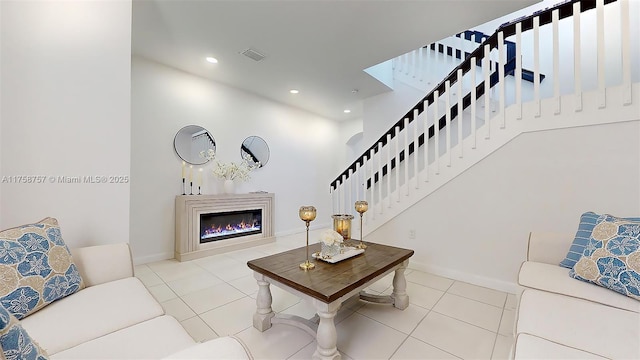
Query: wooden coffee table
326, 287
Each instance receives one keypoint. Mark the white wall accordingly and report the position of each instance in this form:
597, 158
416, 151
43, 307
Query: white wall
380, 112
306, 152
475, 227
65, 69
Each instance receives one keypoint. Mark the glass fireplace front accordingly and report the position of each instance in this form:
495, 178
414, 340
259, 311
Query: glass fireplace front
229, 224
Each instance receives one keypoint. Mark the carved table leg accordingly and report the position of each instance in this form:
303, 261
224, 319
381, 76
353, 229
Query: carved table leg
326, 336
399, 295
264, 313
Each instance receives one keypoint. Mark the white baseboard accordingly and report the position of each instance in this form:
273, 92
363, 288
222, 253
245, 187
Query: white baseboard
139, 260
500, 285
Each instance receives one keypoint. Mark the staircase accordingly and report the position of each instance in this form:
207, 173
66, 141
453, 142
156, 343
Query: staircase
478, 107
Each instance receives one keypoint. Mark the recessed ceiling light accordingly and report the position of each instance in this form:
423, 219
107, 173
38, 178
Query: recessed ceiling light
294, 91
346, 111
212, 60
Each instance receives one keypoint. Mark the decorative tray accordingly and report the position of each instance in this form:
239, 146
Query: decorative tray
348, 252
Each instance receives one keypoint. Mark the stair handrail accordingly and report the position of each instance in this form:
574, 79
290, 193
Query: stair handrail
565, 9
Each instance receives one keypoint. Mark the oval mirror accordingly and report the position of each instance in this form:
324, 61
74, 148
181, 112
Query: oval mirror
256, 149
191, 141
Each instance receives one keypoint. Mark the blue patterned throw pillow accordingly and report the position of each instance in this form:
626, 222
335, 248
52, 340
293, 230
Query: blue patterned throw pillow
611, 257
588, 221
15, 343
36, 268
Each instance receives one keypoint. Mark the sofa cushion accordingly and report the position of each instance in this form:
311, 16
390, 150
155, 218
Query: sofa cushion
91, 313
532, 347
555, 279
580, 324
227, 347
15, 342
588, 221
612, 257
36, 268
151, 339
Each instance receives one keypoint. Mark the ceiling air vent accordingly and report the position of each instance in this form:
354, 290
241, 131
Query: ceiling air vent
253, 54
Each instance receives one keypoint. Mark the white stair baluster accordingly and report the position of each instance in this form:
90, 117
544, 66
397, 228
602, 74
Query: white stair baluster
518, 72
447, 101
426, 140
626, 51
406, 155
536, 65
416, 174
602, 99
577, 66
372, 163
389, 157
380, 165
397, 156
487, 89
501, 85
436, 133
555, 18
460, 109
472, 76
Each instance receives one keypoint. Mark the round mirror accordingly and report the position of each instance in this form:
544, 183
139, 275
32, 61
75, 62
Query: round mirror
191, 141
256, 150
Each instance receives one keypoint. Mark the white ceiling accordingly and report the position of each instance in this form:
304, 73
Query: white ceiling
319, 47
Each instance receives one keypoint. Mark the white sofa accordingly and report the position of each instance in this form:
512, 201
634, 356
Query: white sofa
563, 318
115, 317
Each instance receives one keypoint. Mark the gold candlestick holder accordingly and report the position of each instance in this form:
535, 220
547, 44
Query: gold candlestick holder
361, 207
307, 214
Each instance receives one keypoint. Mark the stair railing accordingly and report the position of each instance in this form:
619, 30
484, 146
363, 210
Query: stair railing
364, 176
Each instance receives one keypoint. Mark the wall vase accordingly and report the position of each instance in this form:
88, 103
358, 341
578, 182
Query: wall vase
229, 187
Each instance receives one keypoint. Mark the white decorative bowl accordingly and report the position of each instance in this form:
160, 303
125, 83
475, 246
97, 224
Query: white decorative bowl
329, 250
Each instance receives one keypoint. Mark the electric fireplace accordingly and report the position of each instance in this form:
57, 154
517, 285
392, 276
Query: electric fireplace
229, 224
214, 224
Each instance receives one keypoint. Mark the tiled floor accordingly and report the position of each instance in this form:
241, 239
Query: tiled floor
447, 319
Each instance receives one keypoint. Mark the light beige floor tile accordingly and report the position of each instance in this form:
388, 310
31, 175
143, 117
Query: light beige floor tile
212, 297
402, 320
383, 284
512, 302
178, 309
282, 299
141, 269
302, 309
231, 318
198, 330
307, 353
231, 272
455, 337
423, 296
430, 280
478, 293
179, 272
216, 262
165, 267
414, 349
245, 255
165, 264
150, 279
502, 349
362, 338
191, 283
278, 342
471, 311
246, 284
507, 322
162, 292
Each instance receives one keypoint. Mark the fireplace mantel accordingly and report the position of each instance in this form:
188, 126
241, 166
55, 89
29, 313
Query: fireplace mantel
190, 207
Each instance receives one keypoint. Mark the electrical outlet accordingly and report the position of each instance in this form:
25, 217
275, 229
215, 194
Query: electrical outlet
412, 234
